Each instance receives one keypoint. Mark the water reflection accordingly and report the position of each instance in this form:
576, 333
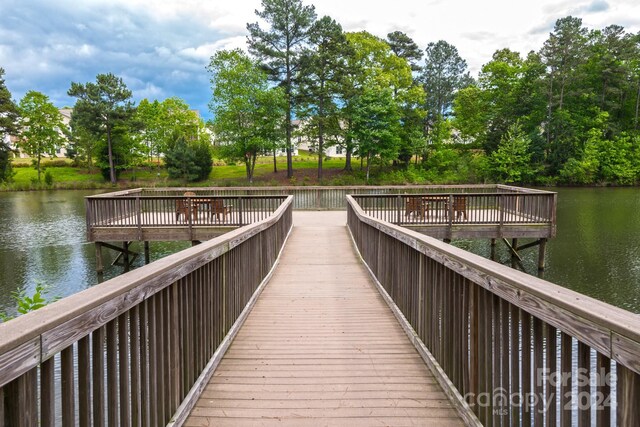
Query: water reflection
43, 239
597, 248
596, 252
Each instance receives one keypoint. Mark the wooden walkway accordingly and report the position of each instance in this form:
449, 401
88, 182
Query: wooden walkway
321, 348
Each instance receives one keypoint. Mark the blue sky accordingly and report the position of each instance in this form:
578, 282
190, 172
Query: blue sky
161, 48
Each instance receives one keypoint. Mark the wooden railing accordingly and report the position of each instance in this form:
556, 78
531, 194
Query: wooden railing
132, 351
456, 208
164, 211
510, 348
318, 197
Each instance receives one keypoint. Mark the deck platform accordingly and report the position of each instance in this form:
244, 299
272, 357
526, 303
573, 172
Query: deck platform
321, 347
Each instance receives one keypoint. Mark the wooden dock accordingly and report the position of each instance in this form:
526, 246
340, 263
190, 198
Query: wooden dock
321, 347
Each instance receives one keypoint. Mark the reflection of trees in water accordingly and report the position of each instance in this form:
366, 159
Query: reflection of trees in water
12, 270
597, 248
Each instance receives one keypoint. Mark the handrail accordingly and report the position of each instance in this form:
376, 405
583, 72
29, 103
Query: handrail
317, 197
501, 334
144, 336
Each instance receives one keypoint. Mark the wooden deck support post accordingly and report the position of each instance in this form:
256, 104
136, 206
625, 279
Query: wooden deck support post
541, 250
146, 252
125, 255
99, 264
493, 249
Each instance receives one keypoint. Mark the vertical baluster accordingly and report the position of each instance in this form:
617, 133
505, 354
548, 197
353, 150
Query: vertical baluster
84, 382
603, 391
153, 360
483, 362
112, 372
144, 364
47, 394
514, 363
68, 387
566, 356
584, 388
628, 396
526, 367
134, 334
123, 365
551, 377
538, 369
97, 355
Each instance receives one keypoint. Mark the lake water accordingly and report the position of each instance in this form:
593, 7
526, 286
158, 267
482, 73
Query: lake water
43, 239
596, 251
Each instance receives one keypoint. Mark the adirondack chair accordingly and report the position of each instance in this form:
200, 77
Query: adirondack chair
184, 206
416, 206
219, 208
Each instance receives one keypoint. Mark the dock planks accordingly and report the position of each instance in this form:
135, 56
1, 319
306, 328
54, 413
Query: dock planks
321, 347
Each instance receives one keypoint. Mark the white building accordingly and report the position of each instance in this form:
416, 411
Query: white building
304, 143
61, 151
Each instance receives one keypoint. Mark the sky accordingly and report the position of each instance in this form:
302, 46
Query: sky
161, 48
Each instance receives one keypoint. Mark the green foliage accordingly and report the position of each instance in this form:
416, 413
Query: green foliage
159, 121
27, 303
42, 130
188, 161
279, 48
376, 124
102, 109
48, 178
247, 112
9, 114
443, 74
322, 70
511, 162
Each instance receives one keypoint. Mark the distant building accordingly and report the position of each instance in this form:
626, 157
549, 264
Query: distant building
304, 143
61, 151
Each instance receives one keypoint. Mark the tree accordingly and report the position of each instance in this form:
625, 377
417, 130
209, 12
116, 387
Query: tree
322, 69
100, 107
372, 65
511, 162
188, 160
42, 127
279, 48
160, 121
376, 125
8, 126
444, 73
247, 113
404, 47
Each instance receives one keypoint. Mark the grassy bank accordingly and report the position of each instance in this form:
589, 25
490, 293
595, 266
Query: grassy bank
66, 176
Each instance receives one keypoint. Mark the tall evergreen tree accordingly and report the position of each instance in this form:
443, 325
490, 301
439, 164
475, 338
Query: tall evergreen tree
404, 47
279, 47
100, 108
322, 69
444, 73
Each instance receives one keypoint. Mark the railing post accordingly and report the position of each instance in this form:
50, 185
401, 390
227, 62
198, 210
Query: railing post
398, 208
139, 217
240, 211
190, 217
500, 214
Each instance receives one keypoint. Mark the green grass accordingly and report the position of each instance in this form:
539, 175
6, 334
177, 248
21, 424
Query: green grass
222, 174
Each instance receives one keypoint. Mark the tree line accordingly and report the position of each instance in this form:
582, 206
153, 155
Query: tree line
106, 130
566, 113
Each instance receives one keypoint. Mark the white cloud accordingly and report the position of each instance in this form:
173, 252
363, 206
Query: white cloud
205, 51
163, 45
